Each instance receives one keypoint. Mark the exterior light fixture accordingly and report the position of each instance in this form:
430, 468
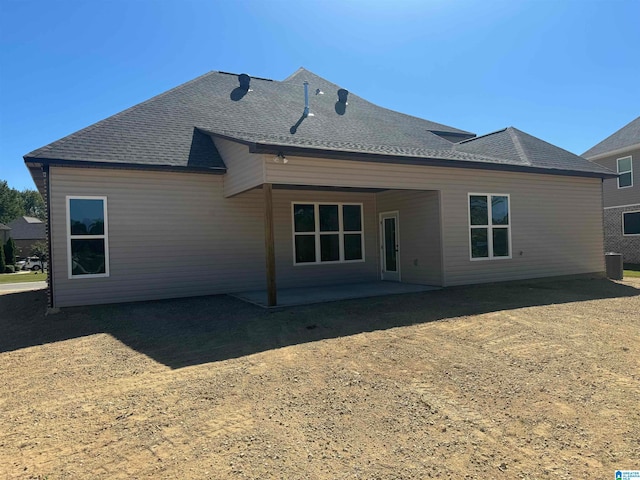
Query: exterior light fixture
280, 158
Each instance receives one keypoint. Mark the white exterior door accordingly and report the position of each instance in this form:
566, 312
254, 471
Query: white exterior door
389, 247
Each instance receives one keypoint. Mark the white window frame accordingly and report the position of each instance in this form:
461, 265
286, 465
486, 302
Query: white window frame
489, 226
104, 236
629, 234
630, 171
317, 233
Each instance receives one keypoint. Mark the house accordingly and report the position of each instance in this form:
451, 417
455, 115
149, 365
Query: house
5, 233
26, 233
620, 152
230, 183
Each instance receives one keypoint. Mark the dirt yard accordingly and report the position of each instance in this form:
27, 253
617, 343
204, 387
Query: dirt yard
530, 380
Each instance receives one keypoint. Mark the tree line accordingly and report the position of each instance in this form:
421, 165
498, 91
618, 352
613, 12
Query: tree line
15, 203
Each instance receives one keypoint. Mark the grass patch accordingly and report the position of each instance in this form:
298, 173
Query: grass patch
632, 270
22, 277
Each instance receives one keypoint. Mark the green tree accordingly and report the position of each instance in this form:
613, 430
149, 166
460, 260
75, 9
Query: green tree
10, 252
40, 249
2, 262
32, 204
11, 204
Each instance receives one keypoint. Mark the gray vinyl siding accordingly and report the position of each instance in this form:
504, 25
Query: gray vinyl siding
156, 221
419, 229
244, 170
556, 221
290, 275
614, 196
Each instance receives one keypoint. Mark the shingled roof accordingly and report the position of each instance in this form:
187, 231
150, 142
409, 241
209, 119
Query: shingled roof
627, 136
27, 228
523, 149
173, 130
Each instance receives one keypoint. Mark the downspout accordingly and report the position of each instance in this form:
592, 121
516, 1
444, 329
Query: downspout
603, 222
50, 283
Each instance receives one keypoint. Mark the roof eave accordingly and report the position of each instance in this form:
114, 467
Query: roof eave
618, 151
425, 161
122, 166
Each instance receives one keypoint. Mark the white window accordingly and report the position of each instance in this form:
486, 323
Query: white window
327, 233
631, 223
87, 237
625, 169
489, 226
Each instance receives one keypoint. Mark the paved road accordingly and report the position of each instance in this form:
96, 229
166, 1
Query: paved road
21, 287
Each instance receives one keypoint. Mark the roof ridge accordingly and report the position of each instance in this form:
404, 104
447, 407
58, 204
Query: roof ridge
480, 136
516, 143
299, 70
99, 123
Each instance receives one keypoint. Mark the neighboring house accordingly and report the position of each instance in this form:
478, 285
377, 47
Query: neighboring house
26, 232
229, 183
5, 233
620, 152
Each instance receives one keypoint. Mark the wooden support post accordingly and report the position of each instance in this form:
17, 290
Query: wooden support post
269, 246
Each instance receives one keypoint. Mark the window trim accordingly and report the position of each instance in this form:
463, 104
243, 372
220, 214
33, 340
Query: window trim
104, 236
629, 234
630, 171
489, 227
317, 233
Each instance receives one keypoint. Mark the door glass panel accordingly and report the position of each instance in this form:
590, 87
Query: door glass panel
390, 244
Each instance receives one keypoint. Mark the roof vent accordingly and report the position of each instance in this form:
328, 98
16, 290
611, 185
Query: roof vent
341, 104
244, 80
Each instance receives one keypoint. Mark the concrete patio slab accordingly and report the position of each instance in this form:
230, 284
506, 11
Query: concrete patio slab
288, 297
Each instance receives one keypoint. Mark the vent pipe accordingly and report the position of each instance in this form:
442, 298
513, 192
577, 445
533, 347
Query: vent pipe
306, 99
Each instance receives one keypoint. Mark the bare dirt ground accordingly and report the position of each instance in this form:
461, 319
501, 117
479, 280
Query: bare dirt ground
529, 380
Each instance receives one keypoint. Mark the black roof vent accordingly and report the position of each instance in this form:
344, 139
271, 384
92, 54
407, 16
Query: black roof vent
341, 104
244, 80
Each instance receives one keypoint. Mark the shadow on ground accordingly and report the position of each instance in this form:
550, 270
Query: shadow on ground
192, 331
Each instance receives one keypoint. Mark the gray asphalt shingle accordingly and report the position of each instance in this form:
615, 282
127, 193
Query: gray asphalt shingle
170, 130
625, 137
27, 228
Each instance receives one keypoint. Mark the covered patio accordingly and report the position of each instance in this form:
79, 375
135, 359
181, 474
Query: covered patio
288, 297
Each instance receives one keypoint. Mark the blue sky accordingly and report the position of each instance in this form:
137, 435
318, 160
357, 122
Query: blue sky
564, 71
